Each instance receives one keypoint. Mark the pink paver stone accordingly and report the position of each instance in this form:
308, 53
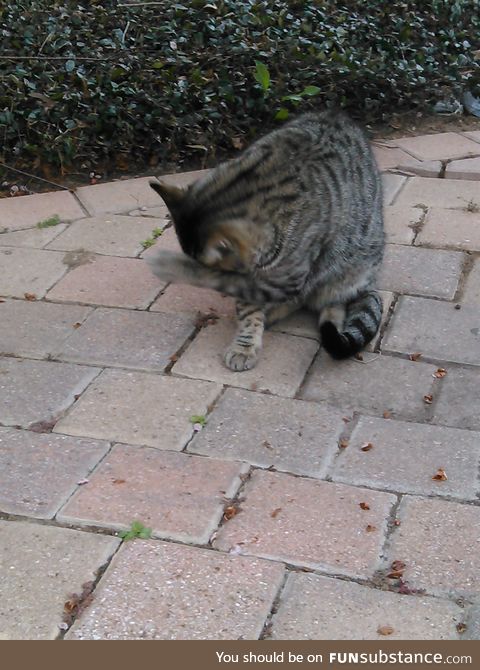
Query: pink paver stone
28, 210
439, 542
31, 271
180, 497
405, 457
320, 608
109, 281
440, 146
468, 168
119, 196
457, 229
139, 408
41, 567
110, 234
158, 590
183, 298
204, 360
38, 472
447, 193
310, 523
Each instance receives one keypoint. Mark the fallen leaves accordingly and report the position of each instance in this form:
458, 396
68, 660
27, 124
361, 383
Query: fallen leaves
385, 630
439, 373
428, 398
343, 444
266, 444
397, 569
365, 506
118, 481
461, 627
230, 511
370, 529
440, 475
416, 356
76, 325
206, 319
387, 414
31, 297
276, 512
367, 446
76, 603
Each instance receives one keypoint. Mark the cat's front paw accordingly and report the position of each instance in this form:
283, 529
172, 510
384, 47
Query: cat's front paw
170, 266
242, 359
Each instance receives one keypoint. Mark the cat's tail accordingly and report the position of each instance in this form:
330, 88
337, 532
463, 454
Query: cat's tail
362, 321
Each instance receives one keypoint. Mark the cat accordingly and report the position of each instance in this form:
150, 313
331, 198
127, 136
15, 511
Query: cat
296, 220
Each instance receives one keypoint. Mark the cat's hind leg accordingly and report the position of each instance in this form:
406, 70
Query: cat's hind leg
243, 352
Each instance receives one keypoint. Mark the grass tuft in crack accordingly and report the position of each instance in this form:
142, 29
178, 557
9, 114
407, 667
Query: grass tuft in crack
137, 530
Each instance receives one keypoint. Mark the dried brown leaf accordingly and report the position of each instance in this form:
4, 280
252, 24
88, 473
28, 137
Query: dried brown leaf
77, 325
439, 373
118, 481
364, 506
415, 357
440, 475
266, 444
343, 444
387, 414
275, 512
428, 398
370, 528
385, 630
30, 296
230, 511
367, 446
461, 627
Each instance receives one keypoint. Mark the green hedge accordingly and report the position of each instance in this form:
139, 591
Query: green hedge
85, 84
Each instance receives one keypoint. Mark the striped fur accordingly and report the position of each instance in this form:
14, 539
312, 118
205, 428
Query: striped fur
295, 220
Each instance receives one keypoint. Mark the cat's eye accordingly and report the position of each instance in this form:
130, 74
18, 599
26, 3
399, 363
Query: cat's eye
224, 247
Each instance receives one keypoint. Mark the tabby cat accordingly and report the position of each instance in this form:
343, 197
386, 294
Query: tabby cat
296, 220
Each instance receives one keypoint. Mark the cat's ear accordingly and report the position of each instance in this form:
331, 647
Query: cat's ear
171, 195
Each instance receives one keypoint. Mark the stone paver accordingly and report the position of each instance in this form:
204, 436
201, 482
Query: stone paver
119, 196
472, 135
310, 523
468, 168
435, 329
405, 457
447, 193
168, 591
127, 339
204, 360
400, 223
39, 391
38, 472
440, 146
112, 235
457, 404
263, 430
392, 158
33, 238
374, 386
320, 608
183, 298
180, 497
36, 329
451, 228
139, 408
109, 281
302, 323
440, 544
471, 291
421, 271
31, 271
41, 567
392, 185
28, 210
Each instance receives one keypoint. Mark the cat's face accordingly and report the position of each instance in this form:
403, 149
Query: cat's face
222, 245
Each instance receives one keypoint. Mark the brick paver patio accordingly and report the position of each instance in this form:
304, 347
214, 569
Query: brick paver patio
319, 500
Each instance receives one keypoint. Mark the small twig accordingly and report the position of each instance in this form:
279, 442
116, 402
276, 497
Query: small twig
140, 4
33, 176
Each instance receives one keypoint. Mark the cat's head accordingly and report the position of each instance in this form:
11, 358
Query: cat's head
220, 243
